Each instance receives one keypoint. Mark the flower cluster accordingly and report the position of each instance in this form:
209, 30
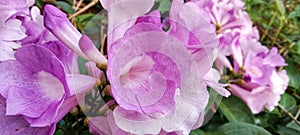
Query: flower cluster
260, 84
156, 73
157, 78
38, 72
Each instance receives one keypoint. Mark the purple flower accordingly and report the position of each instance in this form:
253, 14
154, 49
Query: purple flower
156, 77
258, 97
262, 84
232, 23
254, 62
13, 12
37, 88
57, 22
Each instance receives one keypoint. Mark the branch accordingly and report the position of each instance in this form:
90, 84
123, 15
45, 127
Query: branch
94, 2
289, 114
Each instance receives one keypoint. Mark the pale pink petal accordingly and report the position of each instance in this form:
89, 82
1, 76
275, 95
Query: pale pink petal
258, 100
118, 20
279, 81
134, 122
212, 78
13, 30
99, 126
94, 71
79, 83
89, 49
7, 50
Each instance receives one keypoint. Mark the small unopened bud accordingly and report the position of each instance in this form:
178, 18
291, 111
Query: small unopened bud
74, 111
86, 121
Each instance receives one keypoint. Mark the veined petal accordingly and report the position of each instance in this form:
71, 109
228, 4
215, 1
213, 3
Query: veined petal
18, 125
118, 20
87, 47
134, 122
79, 83
38, 58
57, 22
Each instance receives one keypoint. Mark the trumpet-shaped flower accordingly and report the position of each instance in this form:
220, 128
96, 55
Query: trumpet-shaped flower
262, 84
156, 76
37, 88
57, 22
233, 26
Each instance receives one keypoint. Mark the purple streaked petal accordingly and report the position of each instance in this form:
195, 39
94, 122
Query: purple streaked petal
153, 17
18, 125
48, 117
118, 20
57, 22
168, 49
64, 54
38, 58
197, 22
33, 32
134, 122
33, 101
99, 126
89, 49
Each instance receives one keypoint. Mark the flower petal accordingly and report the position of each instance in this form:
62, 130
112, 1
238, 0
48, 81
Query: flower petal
89, 49
17, 125
79, 83
118, 20
57, 22
134, 122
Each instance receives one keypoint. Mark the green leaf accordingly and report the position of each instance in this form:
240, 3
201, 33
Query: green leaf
293, 74
294, 14
288, 131
201, 132
39, 3
214, 99
164, 6
255, 2
81, 63
235, 110
288, 101
70, 1
280, 7
65, 7
197, 132
293, 125
59, 132
298, 47
239, 128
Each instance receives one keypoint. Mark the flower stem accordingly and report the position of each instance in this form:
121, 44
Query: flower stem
289, 114
94, 2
